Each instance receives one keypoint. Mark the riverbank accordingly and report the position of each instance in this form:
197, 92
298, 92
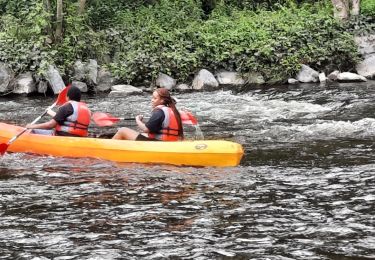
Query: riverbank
174, 38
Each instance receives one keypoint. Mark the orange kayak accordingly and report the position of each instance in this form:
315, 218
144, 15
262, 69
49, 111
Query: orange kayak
188, 153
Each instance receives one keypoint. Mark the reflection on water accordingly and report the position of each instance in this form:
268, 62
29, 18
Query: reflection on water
305, 189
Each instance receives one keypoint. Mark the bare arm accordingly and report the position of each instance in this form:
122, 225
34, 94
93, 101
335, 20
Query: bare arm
141, 125
47, 125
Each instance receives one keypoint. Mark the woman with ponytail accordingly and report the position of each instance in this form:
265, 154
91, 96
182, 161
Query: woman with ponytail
164, 124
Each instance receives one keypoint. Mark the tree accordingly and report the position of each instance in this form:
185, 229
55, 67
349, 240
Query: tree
81, 6
59, 20
344, 8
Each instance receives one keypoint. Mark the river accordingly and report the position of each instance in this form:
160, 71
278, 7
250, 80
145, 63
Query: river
305, 188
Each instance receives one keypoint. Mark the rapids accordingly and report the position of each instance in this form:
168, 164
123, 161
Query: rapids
305, 188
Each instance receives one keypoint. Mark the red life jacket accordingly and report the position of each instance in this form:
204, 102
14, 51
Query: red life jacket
170, 130
77, 123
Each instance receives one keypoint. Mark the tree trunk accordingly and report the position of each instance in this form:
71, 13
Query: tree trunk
355, 7
59, 20
47, 6
81, 8
341, 9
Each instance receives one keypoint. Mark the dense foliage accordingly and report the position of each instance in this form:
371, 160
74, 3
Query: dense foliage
138, 39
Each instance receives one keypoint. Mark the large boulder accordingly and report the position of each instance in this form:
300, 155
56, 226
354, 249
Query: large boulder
350, 77
366, 68
81, 85
54, 79
229, 78
104, 81
307, 74
124, 90
366, 46
205, 80
24, 84
92, 72
165, 81
6, 76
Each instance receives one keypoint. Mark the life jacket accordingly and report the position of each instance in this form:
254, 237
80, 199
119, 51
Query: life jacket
77, 123
170, 130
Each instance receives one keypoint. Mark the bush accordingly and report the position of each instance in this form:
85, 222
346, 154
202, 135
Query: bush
368, 7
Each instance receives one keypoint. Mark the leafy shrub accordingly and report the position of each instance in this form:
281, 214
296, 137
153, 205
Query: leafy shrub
368, 7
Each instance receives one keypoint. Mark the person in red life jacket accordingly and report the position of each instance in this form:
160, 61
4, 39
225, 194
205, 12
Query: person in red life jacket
164, 124
72, 118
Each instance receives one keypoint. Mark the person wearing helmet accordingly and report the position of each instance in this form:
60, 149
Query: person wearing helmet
71, 119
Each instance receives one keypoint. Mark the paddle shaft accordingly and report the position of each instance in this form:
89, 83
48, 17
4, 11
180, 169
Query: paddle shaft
14, 138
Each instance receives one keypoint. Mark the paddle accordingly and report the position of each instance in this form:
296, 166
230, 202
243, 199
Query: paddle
61, 99
105, 119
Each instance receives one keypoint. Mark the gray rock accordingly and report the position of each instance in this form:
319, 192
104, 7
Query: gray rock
104, 81
24, 84
333, 75
350, 77
165, 81
6, 76
54, 79
367, 67
81, 85
205, 80
229, 78
124, 90
322, 77
92, 72
183, 87
254, 78
42, 87
293, 81
79, 71
366, 44
307, 74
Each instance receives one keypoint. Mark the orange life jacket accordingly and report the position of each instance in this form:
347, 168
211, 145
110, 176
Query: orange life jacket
77, 123
170, 130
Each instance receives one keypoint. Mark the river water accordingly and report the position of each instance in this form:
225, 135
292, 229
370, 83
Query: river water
304, 190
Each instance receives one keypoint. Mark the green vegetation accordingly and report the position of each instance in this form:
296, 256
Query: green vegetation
368, 7
138, 39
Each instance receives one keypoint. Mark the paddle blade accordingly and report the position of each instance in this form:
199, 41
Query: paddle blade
61, 99
188, 118
104, 119
3, 148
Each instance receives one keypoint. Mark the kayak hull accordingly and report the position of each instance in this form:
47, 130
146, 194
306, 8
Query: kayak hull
186, 153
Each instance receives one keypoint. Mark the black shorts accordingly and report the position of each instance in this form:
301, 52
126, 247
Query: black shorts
141, 137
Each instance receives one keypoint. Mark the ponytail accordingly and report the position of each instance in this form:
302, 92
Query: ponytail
170, 102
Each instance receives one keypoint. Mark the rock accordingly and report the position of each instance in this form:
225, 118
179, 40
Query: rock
322, 77
42, 87
6, 76
307, 75
204, 80
367, 67
104, 81
124, 90
81, 85
92, 72
350, 77
366, 44
54, 79
183, 87
79, 71
165, 81
293, 81
229, 78
254, 78
24, 84
333, 75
